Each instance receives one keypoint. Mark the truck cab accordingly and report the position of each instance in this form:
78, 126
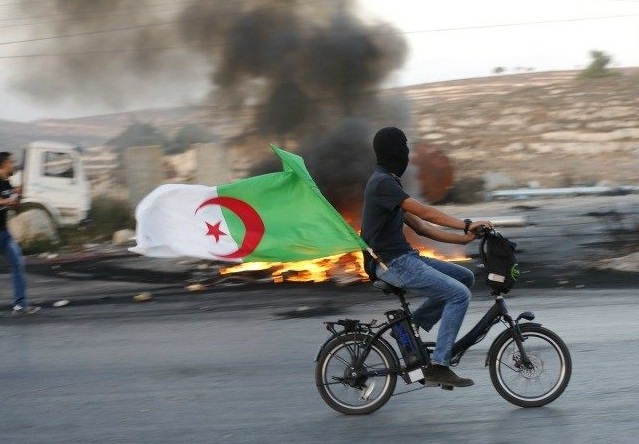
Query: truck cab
53, 181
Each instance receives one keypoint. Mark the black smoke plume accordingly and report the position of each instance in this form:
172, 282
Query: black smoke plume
340, 162
301, 66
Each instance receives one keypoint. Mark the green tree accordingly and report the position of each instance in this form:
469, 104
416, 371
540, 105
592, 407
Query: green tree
598, 67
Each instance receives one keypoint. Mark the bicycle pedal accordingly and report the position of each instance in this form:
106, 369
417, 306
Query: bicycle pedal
367, 392
447, 387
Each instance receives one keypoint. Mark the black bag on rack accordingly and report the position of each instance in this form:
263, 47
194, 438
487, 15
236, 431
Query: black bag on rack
498, 255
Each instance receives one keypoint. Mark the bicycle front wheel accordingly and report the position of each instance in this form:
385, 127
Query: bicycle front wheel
340, 382
538, 384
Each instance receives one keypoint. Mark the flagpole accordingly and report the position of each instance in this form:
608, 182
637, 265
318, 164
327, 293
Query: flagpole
376, 258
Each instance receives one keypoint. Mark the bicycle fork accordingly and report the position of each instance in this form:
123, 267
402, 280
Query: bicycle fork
513, 326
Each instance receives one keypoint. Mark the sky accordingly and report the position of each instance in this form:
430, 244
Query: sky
464, 39
447, 40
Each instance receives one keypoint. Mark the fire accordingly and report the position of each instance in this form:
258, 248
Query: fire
342, 268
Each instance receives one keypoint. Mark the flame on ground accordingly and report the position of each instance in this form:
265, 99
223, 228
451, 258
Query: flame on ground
342, 268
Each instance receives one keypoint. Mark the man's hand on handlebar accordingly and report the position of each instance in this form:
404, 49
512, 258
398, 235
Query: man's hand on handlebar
481, 227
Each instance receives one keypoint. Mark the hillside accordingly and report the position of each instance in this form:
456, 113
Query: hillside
96, 130
544, 128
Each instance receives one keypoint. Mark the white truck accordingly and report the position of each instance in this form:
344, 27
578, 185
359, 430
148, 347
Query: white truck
54, 185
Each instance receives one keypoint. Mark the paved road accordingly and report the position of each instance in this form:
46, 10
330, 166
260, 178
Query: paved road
181, 371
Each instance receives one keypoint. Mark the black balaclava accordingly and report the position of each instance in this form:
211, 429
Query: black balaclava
391, 150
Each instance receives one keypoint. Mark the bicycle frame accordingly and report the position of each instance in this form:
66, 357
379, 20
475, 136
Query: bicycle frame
496, 313
353, 326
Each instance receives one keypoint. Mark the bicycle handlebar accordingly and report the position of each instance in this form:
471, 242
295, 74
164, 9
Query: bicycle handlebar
485, 231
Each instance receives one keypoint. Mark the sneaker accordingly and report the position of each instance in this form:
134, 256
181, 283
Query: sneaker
426, 383
25, 309
445, 376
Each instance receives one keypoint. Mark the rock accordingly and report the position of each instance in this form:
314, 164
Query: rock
33, 225
497, 180
145, 296
629, 263
468, 191
123, 237
195, 287
514, 147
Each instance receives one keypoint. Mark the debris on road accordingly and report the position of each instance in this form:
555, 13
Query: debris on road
145, 296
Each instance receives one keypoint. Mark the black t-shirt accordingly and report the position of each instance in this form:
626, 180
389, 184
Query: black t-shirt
382, 215
5, 192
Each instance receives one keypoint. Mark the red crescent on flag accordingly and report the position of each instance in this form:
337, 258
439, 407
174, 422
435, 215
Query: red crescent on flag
249, 217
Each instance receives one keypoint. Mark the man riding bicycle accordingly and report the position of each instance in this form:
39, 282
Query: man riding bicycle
446, 286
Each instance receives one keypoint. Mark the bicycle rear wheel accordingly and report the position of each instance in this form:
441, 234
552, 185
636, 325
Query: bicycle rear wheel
544, 381
352, 394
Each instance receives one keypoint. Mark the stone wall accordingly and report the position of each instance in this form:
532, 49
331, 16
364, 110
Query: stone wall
546, 129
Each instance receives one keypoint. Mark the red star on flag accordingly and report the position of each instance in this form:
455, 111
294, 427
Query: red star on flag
214, 230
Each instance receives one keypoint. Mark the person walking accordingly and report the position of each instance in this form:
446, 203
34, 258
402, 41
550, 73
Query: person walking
446, 286
10, 198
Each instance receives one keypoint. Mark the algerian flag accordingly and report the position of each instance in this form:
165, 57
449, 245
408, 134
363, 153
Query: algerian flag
279, 217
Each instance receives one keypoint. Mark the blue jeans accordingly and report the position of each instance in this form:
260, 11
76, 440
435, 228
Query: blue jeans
12, 252
446, 287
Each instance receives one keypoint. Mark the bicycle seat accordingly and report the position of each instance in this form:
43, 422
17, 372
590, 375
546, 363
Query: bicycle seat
386, 287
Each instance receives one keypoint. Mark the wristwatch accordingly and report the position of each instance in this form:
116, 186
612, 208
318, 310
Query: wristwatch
467, 223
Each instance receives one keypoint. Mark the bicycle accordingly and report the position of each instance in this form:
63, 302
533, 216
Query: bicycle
357, 368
